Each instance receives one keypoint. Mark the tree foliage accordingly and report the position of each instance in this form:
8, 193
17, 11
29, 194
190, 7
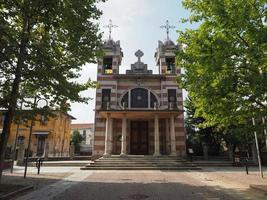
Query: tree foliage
225, 60
43, 46
76, 138
197, 135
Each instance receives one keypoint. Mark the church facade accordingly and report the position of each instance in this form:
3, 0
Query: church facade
138, 113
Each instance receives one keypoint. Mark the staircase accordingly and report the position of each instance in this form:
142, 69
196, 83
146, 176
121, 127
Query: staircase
134, 162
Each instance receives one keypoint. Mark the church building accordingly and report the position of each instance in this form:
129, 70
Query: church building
139, 112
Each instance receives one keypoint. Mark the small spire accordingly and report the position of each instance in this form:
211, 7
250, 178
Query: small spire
110, 26
167, 27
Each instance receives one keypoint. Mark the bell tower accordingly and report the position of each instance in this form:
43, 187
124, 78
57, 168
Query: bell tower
111, 60
165, 53
106, 93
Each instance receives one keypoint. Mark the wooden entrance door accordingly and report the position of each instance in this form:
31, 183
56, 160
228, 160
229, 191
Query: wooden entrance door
139, 137
40, 145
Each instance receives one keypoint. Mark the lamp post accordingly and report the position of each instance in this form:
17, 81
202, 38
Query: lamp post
257, 148
30, 134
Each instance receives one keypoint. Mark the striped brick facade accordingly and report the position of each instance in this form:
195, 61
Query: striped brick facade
110, 133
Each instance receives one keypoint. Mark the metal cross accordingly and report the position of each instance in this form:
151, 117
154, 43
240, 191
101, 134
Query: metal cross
110, 26
167, 27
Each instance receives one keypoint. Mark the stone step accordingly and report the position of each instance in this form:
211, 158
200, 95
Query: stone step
145, 158
140, 164
118, 163
140, 168
140, 161
131, 160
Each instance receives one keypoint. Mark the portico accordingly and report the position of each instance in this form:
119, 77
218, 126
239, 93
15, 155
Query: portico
129, 120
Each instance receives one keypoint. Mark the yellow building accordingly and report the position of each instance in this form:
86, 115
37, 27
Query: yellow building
50, 136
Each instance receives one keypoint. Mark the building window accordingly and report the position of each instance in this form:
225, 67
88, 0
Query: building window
125, 100
44, 120
21, 139
172, 100
106, 93
139, 98
107, 65
170, 62
153, 101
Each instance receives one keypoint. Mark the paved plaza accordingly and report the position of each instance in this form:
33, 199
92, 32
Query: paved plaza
209, 183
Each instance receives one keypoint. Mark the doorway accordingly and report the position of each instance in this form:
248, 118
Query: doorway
40, 145
139, 138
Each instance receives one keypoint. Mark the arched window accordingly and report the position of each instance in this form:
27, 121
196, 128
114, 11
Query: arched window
125, 100
139, 98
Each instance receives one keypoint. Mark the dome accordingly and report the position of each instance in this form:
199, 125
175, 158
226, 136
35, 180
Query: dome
169, 43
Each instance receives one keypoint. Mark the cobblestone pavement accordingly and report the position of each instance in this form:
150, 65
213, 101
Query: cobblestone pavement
206, 184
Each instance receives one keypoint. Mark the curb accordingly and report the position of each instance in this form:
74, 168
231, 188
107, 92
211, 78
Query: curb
259, 188
11, 194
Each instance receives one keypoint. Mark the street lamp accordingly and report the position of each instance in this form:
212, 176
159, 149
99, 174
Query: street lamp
30, 135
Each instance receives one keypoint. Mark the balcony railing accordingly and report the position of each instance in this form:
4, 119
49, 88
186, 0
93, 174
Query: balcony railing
108, 71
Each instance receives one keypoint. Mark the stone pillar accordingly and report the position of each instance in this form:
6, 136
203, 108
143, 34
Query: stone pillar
21, 151
156, 136
110, 138
107, 153
72, 150
167, 130
173, 140
123, 136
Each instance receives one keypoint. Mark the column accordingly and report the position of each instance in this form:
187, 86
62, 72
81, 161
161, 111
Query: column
110, 138
123, 136
106, 153
156, 136
167, 130
173, 140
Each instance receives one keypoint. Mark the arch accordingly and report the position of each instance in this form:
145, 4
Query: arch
138, 98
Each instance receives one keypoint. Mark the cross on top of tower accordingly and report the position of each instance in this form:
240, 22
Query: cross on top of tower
110, 26
167, 27
139, 54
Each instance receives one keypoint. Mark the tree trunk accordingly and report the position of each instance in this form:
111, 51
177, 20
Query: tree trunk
9, 115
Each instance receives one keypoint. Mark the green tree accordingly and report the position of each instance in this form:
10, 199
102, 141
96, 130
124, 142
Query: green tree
217, 137
76, 138
43, 46
225, 60
198, 133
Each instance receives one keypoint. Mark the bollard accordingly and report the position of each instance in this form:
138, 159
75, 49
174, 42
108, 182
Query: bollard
39, 163
246, 164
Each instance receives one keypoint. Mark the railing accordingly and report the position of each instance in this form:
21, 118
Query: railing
108, 71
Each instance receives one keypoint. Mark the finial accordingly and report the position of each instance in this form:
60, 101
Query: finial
110, 26
167, 27
139, 54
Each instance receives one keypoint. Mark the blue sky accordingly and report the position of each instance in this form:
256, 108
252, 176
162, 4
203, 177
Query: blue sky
139, 24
